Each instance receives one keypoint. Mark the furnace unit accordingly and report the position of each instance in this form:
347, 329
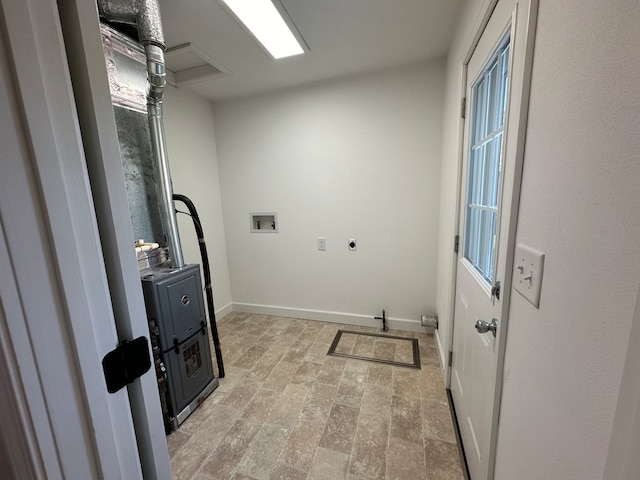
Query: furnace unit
175, 311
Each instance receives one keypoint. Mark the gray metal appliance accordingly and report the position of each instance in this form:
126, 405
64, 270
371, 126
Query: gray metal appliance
178, 327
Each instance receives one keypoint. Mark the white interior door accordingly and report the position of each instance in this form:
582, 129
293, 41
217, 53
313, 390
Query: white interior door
56, 320
497, 88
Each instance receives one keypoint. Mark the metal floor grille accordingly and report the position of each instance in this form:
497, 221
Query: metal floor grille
374, 347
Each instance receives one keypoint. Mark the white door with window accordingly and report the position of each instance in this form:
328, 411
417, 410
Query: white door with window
498, 73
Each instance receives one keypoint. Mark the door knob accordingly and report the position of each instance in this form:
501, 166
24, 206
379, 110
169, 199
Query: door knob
484, 327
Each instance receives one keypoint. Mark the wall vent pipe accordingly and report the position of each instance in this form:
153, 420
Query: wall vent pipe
145, 15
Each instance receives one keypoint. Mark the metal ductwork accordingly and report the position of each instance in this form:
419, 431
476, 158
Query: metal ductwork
145, 15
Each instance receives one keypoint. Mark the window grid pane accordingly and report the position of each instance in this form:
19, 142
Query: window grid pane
489, 107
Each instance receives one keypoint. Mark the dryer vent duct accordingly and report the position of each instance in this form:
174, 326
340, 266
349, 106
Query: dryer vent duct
145, 15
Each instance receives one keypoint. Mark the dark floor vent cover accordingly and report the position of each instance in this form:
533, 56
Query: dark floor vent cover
374, 347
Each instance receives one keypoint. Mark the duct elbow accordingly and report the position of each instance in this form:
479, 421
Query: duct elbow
120, 11
150, 24
145, 14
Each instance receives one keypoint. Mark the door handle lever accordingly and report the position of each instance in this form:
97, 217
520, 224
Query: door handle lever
484, 327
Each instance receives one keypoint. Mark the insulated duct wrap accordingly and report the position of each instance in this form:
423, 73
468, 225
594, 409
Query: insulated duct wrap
145, 14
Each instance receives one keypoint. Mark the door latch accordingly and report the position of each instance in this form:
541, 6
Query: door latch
127, 362
495, 290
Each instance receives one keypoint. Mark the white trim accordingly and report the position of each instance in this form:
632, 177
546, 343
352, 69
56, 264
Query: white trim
224, 311
53, 245
331, 317
623, 461
442, 355
21, 451
95, 111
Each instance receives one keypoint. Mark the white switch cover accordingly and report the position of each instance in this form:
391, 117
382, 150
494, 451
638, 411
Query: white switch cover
528, 265
322, 244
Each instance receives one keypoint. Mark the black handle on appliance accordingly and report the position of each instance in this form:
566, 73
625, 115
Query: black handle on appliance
207, 277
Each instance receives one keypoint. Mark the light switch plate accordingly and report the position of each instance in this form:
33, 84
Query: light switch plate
528, 266
322, 244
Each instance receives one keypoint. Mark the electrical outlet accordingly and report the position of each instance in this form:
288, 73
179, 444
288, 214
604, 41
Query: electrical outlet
322, 244
352, 244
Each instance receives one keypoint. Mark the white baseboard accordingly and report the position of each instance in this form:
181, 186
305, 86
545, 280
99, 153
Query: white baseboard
224, 311
331, 317
442, 355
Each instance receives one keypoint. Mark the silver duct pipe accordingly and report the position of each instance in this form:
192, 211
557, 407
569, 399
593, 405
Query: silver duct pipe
145, 14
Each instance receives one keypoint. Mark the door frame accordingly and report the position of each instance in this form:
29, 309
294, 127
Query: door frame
478, 28
83, 42
623, 462
56, 318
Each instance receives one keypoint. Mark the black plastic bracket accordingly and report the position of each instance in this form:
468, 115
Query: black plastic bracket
127, 362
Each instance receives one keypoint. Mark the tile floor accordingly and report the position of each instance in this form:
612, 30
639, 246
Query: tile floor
285, 410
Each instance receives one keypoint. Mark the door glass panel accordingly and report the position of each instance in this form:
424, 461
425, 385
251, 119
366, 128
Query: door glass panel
489, 102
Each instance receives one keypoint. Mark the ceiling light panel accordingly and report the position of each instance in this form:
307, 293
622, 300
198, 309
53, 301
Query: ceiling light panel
265, 23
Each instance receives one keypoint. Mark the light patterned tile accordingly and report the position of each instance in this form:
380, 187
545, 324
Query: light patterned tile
263, 452
176, 440
436, 421
286, 410
301, 445
188, 461
318, 404
280, 376
376, 400
442, 460
431, 384
261, 404
331, 372
405, 461
297, 352
226, 457
406, 419
329, 465
380, 375
306, 373
242, 394
369, 451
341, 428
282, 471
338, 419
351, 388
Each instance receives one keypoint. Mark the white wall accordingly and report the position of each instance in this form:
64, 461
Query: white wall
579, 205
191, 146
451, 134
356, 157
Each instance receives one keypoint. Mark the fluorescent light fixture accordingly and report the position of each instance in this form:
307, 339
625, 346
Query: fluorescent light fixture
264, 21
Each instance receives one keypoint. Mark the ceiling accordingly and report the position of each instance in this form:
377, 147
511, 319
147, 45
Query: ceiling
344, 37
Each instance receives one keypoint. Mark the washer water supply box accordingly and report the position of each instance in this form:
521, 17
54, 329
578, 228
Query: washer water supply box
179, 334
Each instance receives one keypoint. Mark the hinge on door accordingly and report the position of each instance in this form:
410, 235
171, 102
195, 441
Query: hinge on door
450, 361
463, 107
456, 243
127, 362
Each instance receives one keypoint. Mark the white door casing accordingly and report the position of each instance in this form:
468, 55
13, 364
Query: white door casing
56, 320
476, 371
83, 43
88, 71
